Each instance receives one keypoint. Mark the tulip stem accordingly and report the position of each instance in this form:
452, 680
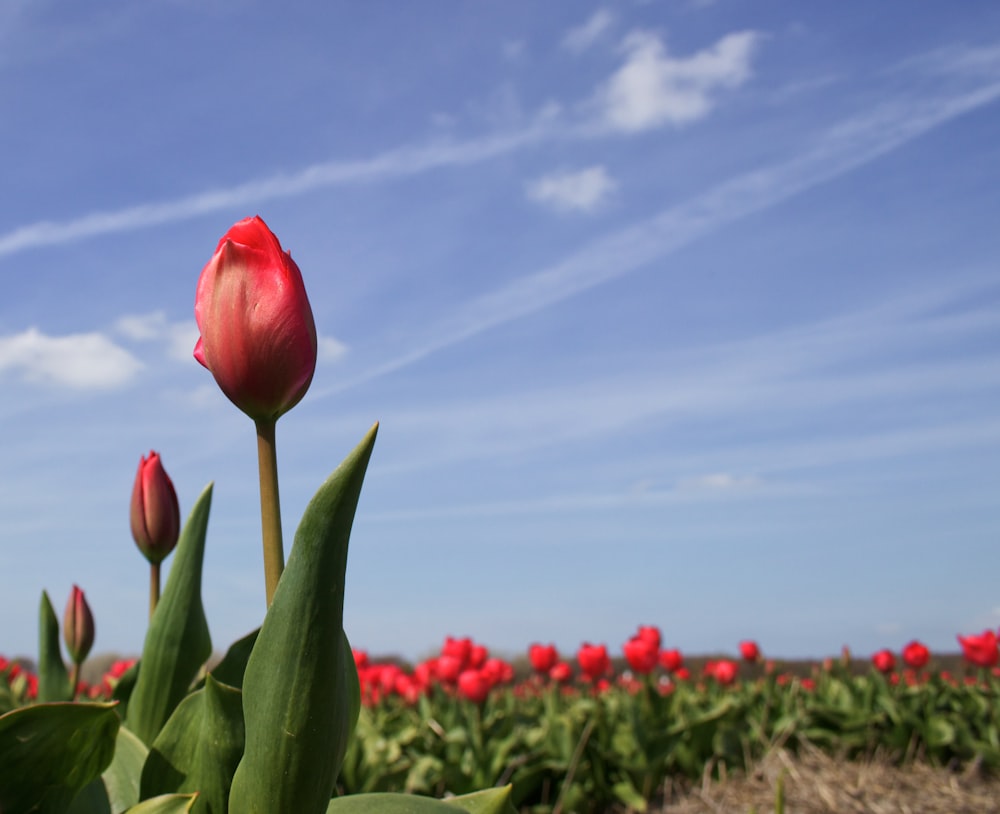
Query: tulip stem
154, 587
270, 510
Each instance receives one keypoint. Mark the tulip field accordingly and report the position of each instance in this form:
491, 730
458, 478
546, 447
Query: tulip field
584, 732
293, 719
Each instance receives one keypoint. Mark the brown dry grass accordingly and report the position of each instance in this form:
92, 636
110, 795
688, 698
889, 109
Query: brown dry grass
815, 783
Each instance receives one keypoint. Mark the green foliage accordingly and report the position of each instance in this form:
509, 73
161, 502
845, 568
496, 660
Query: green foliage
49, 752
53, 679
177, 642
297, 688
591, 752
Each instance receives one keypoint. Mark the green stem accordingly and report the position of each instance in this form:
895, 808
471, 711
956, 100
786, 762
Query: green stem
270, 510
74, 678
154, 587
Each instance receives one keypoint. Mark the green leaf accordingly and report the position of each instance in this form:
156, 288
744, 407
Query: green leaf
391, 803
117, 789
230, 670
121, 778
198, 748
53, 679
49, 752
487, 801
165, 804
296, 696
177, 641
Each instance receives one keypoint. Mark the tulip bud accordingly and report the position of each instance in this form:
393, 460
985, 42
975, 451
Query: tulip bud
258, 337
154, 515
78, 626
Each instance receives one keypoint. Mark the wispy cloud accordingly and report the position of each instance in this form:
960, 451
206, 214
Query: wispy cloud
653, 88
581, 190
179, 337
79, 361
841, 148
583, 36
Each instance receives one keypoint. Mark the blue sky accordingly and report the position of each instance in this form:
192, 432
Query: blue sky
676, 313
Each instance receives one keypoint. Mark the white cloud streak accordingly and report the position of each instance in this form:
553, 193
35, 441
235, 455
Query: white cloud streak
79, 361
582, 37
582, 191
842, 148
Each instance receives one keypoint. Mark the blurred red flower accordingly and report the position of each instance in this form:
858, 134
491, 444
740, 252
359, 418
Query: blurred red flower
916, 655
641, 654
980, 650
543, 657
884, 661
593, 660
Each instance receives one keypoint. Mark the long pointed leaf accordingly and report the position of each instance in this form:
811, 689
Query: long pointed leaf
296, 695
177, 642
53, 679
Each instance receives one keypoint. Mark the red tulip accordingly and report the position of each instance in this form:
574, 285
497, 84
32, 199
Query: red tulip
477, 656
884, 661
641, 654
448, 669
543, 657
671, 660
154, 514
651, 634
724, 671
593, 660
749, 650
980, 650
561, 672
916, 655
474, 685
258, 337
460, 649
78, 626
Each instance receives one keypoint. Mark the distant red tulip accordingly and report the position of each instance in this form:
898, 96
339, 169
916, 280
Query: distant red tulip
980, 650
916, 655
671, 660
154, 514
884, 661
650, 634
477, 656
561, 672
641, 654
78, 626
749, 651
497, 671
460, 649
473, 685
543, 657
593, 660
724, 671
448, 668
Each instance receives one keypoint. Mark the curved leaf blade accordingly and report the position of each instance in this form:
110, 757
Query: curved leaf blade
53, 678
177, 641
49, 752
199, 748
296, 695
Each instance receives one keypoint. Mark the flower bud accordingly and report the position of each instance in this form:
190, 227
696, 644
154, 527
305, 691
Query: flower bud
154, 514
78, 626
258, 337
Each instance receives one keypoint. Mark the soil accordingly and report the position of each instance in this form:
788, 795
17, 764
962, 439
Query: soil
815, 783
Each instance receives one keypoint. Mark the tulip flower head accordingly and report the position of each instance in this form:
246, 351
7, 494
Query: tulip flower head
641, 654
258, 337
749, 650
593, 660
671, 660
543, 657
78, 626
980, 650
884, 661
916, 655
154, 513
